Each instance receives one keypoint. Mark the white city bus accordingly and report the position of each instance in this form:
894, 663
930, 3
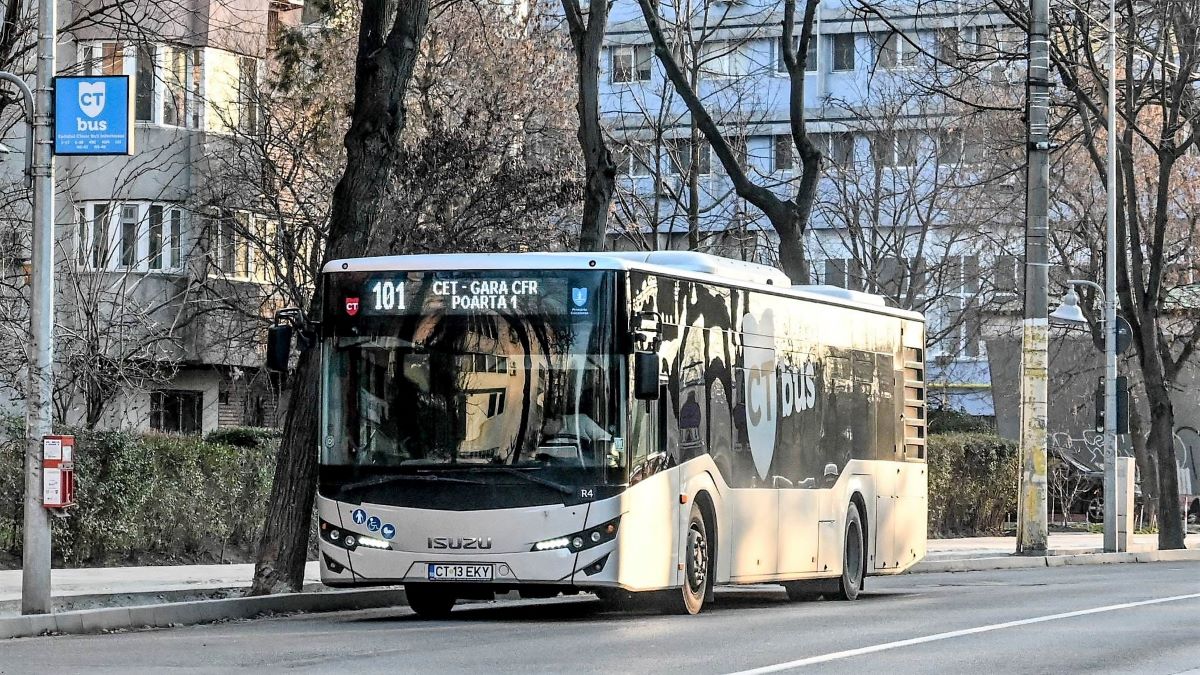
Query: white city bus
643, 424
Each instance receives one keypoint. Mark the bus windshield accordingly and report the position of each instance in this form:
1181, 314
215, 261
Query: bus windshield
480, 378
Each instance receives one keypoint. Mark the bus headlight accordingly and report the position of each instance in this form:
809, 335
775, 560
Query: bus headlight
349, 541
551, 544
581, 541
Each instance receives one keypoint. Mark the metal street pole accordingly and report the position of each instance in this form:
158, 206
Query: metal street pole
35, 563
1110, 298
1032, 522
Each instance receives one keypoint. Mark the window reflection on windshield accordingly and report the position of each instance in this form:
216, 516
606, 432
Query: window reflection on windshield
481, 389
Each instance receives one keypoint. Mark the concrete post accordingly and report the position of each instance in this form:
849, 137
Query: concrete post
35, 553
1111, 515
1032, 520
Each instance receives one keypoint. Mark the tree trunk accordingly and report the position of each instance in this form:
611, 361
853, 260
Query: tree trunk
1161, 444
1147, 463
600, 172
383, 70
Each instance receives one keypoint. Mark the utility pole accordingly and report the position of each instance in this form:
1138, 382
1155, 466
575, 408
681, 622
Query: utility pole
1110, 300
35, 559
1032, 526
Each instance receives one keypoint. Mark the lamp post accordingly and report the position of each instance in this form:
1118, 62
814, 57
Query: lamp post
1069, 312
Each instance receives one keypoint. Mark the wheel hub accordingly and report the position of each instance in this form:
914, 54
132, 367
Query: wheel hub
697, 564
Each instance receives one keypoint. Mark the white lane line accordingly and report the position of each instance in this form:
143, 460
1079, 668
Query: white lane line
825, 658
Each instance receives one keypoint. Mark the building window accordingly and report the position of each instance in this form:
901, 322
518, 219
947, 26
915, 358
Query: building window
896, 149
843, 52
233, 235
1001, 47
175, 219
721, 58
105, 58
631, 63
841, 148
177, 411
93, 234
144, 102
248, 94
947, 45
636, 160
126, 239
168, 79
156, 237
129, 235
810, 57
175, 94
897, 50
681, 157
844, 273
1007, 274
785, 153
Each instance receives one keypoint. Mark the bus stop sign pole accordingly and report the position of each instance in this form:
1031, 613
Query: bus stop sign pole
35, 552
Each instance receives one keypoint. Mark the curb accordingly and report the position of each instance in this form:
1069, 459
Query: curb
1015, 562
200, 611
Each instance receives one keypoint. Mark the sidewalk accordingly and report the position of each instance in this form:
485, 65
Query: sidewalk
101, 586
1061, 543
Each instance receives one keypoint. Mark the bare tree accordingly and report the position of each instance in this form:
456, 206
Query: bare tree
389, 38
586, 29
477, 159
1159, 48
668, 184
788, 216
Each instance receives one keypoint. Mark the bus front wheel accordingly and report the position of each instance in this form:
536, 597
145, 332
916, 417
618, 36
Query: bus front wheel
697, 556
429, 602
854, 562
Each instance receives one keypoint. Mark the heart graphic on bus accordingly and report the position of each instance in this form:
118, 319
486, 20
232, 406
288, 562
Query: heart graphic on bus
352, 306
762, 414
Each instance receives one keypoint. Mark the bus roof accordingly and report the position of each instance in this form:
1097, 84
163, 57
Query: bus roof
683, 264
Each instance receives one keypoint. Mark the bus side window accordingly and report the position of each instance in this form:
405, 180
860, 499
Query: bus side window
644, 440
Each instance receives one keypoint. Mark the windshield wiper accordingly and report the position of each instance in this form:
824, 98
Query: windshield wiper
566, 490
385, 480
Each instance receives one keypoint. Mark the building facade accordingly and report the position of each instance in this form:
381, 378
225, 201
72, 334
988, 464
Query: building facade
156, 291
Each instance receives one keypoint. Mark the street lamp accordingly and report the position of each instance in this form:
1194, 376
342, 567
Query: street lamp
1069, 312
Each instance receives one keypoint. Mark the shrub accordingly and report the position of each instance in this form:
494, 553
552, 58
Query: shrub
148, 497
243, 437
972, 483
950, 420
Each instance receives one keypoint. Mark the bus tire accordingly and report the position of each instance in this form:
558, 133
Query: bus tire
854, 559
690, 598
429, 602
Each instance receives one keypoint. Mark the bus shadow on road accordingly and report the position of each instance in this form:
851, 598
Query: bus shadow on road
587, 608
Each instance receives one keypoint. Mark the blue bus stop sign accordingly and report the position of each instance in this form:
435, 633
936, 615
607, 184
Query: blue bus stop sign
92, 116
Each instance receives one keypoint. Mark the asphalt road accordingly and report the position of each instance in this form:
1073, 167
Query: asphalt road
1121, 619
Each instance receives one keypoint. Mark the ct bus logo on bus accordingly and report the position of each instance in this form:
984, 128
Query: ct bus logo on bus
352, 306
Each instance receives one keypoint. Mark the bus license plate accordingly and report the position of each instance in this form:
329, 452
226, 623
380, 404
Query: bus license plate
459, 572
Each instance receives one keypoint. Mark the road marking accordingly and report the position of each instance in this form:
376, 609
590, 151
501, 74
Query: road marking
835, 656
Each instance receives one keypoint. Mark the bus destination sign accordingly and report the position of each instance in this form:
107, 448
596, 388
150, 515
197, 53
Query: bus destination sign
402, 295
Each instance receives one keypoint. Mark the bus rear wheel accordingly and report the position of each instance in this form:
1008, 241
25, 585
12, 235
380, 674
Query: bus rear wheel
690, 599
429, 602
854, 561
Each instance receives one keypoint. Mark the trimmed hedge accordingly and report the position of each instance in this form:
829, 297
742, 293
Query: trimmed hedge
972, 483
146, 498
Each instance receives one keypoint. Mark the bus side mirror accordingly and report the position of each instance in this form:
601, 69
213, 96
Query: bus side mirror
646, 376
279, 347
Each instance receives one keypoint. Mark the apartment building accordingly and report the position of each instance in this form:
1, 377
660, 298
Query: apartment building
896, 213
149, 332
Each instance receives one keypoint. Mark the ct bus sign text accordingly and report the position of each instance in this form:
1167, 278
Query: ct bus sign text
93, 116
